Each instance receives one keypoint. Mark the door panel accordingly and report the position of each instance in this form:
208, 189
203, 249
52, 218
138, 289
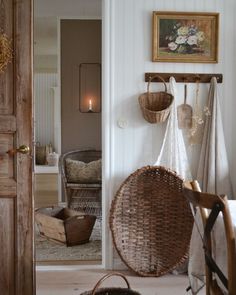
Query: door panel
6, 166
7, 275
6, 79
16, 209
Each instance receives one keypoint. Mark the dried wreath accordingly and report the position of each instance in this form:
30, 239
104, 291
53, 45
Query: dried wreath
5, 51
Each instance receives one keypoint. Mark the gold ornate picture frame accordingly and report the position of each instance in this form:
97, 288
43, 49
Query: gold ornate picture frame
185, 37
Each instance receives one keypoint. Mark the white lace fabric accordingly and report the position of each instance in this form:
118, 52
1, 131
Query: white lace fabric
173, 153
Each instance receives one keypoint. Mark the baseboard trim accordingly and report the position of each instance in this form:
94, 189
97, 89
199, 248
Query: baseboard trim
68, 267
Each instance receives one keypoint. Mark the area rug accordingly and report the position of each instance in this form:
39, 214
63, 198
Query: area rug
48, 250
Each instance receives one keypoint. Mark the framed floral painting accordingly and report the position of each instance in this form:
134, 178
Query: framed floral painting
185, 37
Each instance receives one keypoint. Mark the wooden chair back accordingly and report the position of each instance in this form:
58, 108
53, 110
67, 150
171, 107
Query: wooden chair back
205, 201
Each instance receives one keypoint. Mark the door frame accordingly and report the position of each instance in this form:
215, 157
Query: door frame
107, 136
108, 171
17, 275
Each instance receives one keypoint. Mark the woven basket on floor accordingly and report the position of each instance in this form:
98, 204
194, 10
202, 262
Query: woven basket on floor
151, 222
155, 106
112, 290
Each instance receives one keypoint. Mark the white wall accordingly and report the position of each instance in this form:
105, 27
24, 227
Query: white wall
80, 43
76, 8
44, 84
46, 14
139, 144
131, 35
45, 63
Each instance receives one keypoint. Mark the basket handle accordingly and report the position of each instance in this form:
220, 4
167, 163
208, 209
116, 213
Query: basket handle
153, 77
106, 277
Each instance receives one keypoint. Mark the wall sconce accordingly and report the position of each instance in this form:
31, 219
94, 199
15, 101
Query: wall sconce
90, 87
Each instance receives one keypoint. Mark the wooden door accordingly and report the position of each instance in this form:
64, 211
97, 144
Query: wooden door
16, 214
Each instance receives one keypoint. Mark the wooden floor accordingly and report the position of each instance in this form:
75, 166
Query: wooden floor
76, 282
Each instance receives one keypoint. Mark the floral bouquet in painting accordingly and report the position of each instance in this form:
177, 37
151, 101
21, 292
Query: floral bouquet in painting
185, 39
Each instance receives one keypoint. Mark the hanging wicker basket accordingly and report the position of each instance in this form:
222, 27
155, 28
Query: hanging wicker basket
156, 106
111, 291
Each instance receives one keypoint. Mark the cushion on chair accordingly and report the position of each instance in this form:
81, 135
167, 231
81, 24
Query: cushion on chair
80, 172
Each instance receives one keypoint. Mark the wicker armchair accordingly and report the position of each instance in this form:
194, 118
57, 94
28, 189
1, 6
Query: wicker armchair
76, 190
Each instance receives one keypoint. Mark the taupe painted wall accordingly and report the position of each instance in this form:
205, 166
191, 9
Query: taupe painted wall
80, 43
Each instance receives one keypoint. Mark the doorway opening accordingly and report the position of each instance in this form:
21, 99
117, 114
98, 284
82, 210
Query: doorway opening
61, 45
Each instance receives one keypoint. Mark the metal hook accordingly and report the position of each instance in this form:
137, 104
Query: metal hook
198, 78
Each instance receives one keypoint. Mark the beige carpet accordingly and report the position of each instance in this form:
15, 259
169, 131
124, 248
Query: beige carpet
48, 250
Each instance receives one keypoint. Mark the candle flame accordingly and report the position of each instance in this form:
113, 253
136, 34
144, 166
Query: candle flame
90, 105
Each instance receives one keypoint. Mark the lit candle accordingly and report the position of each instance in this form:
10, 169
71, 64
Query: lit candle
90, 105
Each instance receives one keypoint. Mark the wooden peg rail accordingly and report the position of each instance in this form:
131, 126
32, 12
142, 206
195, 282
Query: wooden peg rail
185, 77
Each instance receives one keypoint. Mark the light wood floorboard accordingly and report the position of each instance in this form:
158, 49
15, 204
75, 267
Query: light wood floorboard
76, 282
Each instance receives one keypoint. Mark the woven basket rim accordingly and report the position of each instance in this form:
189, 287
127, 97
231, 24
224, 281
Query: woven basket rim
156, 92
97, 287
106, 289
111, 217
149, 167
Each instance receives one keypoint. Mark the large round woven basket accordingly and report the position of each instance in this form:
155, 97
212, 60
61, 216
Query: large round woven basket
155, 106
151, 221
